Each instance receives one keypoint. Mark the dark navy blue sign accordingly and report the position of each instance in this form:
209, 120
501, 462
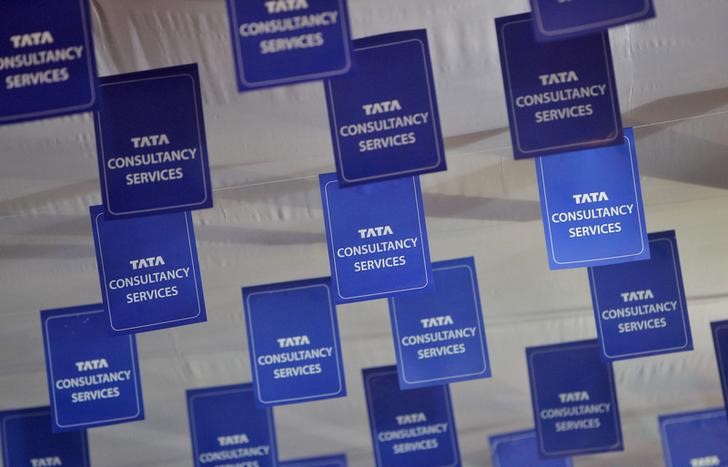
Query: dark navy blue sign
293, 342
150, 138
148, 269
695, 439
591, 205
574, 400
720, 341
277, 42
561, 96
640, 307
377, 238
326, 461
412, 427
228, 428
27, 441
557, 19
439, 335
47, 65
520, 449
383, 115
93, 377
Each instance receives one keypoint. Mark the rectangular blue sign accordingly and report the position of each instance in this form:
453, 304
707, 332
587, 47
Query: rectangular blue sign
293, 342
382, 250
591, 206
93, 377
325, 461
412, 427
228, 428
439, 336
574, 399
695, 439
640, 307
150, 139
561, 96
383, 115
148, 269
27, 441
720, 341
278, 42
520, 449
47, 55
558, 19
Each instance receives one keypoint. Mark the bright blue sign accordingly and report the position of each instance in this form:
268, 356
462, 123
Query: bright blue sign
293, 342
439, 335
558, 19
720, 341
591, 205
148, 269
640, 307
227, 427
377, 238
326, 461
520, 449
27, 440
383, 115
282, 42
561, 96
47, 56
574, 400
150, 139
93, 377
695, 439
412, 427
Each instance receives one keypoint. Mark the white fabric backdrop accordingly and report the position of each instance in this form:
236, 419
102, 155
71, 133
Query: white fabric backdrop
266, 149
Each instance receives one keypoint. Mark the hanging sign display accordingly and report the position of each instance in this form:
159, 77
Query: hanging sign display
278, 42
561, 96
695, 439
93, 377
640, 307
591, 206
293, 341
150, 139
376, 237
148, 269
325, 461
439, 335
720, 341
412, 427
574, 400
228, 428
27, 440
47, 65
383, 115
520, 449
558, 19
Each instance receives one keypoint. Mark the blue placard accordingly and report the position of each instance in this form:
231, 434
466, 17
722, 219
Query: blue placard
148, 269
591, 206
47, 56
293, 342
574, 400
377, 238
413, 427
325, 461
27, 441
558, 19
226, 426
93, 377
720, 341
640, 307
383, 115
520, 449
439, 335
278, 42
150, 139
695, 439
561, 96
